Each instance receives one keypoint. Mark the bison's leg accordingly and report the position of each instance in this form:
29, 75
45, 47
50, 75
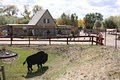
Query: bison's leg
38, 66
30, 67
41, 65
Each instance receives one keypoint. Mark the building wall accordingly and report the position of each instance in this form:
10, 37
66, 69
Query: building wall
64, 31
44, 32
51, 23
20, 32
41, 27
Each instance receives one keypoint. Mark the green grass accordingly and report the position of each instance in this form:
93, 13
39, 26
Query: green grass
16, 70
59, 64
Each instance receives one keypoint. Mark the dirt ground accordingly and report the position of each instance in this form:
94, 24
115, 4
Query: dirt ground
79, 62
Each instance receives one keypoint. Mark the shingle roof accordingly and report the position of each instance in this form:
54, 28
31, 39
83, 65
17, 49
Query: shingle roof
37, 17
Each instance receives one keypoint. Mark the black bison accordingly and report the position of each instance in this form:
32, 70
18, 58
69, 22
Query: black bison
39, 58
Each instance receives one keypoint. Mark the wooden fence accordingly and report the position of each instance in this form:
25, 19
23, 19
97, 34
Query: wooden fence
2, 77
67, 39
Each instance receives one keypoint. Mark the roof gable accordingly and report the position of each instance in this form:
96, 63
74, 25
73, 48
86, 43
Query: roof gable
37, 17
46, 15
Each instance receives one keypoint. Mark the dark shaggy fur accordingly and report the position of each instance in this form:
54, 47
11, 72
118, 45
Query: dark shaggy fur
39, 58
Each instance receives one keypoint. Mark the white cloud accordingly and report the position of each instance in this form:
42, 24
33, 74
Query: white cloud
80, 7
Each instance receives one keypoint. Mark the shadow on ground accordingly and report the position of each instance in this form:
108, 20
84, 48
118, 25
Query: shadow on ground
37, 73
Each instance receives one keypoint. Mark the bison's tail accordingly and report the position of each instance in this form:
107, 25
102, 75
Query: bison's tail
24, 62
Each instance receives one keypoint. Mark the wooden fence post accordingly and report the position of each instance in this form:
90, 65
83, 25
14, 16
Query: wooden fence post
11, 39
92, 40
29, 41
67, 40
96, 40
49, 41
11, 35
3, 72
29, 37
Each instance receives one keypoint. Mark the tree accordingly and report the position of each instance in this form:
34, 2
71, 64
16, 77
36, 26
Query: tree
10, 10
26, 13
36, 8
11, 19
97, 24
74, 18
116, 20
68, 19
8, 14
2, 20
64, 19
90, 19
7, 19
59, 21
108, 23
80, 23
23, 21
1, 11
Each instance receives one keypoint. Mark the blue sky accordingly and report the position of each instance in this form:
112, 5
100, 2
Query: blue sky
80, 7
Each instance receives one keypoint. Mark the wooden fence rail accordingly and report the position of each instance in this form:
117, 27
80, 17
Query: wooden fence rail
2, 70
67, 39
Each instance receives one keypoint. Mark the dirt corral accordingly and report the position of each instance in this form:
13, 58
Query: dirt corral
79, 62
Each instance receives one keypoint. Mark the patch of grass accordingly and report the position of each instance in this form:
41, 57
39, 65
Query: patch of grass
15, 70
62, 60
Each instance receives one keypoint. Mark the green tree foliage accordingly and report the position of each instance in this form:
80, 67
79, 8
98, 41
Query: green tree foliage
97, 24
64, 18
8, 14
36, 8
7, 19
23, 21
116, 20
11, 19
2, 20
26, 16
59, 21
109, 23
74, 19
26, 13
1, 11
10, 10
68, 20
90, 19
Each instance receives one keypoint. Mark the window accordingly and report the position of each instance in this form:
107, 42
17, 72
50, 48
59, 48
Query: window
46, 20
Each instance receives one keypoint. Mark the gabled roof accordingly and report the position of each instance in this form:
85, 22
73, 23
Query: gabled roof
37, 17
35, 21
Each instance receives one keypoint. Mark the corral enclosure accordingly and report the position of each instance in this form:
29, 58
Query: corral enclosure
74, 62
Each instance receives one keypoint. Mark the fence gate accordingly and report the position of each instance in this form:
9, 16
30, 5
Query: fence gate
111, 38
